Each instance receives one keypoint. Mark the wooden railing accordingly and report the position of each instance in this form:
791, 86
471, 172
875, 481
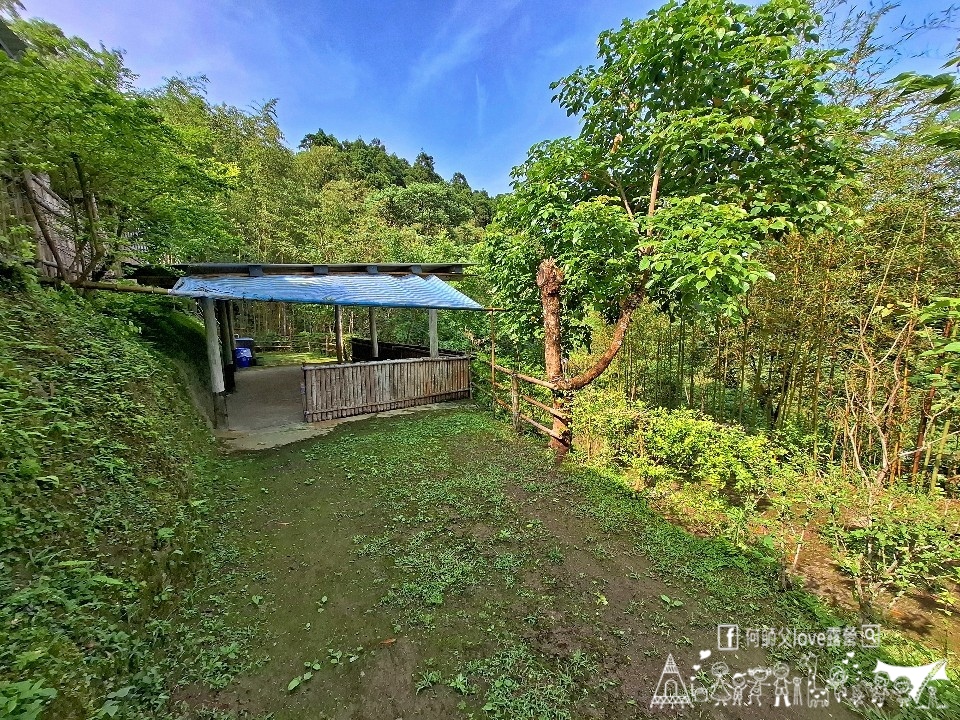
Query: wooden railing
517, 397
335, 390
361, 350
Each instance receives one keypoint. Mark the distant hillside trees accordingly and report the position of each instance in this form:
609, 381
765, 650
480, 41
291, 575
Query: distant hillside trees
166, 176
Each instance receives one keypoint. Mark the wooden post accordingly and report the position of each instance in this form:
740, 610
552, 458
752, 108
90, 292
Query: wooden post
226, 354
215, 361
338, 331
434, 340
493, 360
515, 402
231, 333
375, 345
224, 327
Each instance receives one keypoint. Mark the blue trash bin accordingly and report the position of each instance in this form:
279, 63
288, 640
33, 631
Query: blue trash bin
248, 344
243, 356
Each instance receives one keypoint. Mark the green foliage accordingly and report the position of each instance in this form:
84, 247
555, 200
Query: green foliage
711, 113
940, 93
708, 260
668, 449
520, 684
78, 118
754, 489
106, 490
892, 541
432, 206
24, 700
729, 100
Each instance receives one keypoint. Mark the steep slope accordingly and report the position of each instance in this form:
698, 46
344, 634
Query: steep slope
108, 483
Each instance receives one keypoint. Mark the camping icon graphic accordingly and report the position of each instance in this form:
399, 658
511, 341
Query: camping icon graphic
671, 691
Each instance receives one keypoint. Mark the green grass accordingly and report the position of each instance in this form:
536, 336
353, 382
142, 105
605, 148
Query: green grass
275, 359
478, 580
110, 558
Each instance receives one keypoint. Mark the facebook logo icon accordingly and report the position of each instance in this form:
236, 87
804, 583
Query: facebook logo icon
728, 637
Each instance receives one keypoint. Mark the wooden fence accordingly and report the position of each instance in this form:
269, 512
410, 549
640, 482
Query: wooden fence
335, 390
512, 386
361, 350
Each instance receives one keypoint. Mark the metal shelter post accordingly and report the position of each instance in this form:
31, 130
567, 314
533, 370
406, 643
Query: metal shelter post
374, 343
434, 340
215, 360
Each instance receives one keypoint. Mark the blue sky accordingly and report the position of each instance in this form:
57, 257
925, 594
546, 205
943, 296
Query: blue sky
467, 81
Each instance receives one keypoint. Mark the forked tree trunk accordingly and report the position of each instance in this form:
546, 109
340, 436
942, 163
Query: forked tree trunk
550, 282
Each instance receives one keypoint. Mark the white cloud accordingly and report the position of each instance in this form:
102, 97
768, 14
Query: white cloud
459, 40
481, 105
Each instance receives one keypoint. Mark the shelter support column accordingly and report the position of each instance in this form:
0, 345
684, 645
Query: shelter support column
226, 353
231, 333
434, 340
338, 331
374, 343
216, 362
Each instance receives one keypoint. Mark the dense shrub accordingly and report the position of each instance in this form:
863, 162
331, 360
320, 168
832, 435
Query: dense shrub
690, 467
763, 491
893, 540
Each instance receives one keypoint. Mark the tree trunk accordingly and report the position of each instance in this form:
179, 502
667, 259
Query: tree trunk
550, 282
97, 251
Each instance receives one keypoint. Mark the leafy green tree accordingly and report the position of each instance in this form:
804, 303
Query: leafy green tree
432, 206
374, 165
705, 133
319, 139
423, 171
132, 184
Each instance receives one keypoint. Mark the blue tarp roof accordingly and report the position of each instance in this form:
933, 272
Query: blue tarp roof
374, 290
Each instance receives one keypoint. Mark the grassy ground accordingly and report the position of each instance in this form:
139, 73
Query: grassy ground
111, 505
436, 566
274, 359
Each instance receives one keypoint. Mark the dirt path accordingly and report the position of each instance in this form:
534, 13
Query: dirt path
435, 566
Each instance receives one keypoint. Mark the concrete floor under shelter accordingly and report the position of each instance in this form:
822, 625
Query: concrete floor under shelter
266, 410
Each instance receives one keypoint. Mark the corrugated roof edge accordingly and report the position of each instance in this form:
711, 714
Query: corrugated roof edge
353, 289
449, 271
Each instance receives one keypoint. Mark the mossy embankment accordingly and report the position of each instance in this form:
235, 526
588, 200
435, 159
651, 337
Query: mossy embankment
111, 500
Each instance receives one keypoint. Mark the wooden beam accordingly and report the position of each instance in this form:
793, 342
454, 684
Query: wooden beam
434, 339
375, 345
526, 378
553, 411
338, 331
530, 421
113, 287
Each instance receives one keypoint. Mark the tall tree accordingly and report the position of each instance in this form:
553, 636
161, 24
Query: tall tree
705, 132
132, 185
423, 171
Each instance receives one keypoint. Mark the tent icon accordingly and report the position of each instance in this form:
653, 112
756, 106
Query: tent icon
671, 691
